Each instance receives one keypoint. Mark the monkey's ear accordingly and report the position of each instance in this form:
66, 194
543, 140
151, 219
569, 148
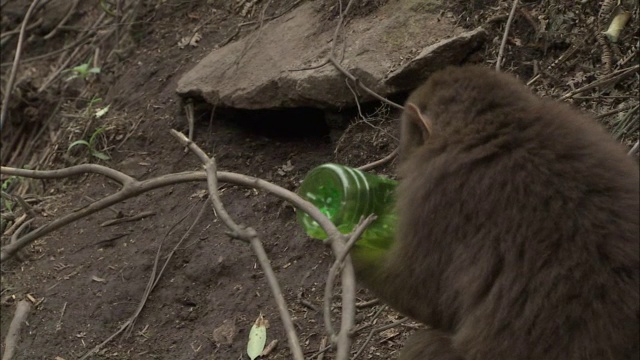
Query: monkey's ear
417, 117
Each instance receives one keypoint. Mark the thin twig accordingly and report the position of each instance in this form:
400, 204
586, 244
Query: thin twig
378, 330
16, 62
367, 303
151, 284
346, 73
332, 59
249, 235
70, 12
55, 52
132, 187
382, 161
16, 224
10, 33
156, 278
506, 34
24, 225
610, 78
613, 112
336, 32
323, 344
328, 290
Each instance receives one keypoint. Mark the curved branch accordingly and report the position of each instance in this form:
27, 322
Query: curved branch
249, 235
340, 258
132, 187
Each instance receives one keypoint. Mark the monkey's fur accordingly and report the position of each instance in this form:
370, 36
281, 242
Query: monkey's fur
518, 234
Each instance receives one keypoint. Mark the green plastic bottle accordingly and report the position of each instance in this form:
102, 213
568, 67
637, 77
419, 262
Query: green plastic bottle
345, 194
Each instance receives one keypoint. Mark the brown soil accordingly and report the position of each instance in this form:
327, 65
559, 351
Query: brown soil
87, 279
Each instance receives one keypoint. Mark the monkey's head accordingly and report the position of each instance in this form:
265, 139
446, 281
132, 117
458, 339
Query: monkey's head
455, 101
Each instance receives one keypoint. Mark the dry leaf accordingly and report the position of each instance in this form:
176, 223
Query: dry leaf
98, 279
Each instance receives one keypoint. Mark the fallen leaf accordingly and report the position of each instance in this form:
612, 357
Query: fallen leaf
101, 112
257, 337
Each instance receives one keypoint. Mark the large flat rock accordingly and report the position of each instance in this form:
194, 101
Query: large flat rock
391, 50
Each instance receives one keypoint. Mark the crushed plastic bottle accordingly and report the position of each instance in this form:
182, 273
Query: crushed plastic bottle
345, 195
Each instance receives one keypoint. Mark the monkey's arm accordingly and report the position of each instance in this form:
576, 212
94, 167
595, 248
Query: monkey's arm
378, 270
375, 269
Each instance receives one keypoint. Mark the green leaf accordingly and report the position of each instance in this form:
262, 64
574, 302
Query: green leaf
257, 337
6, 183
81, 69
95, 134
100, 155
78, 142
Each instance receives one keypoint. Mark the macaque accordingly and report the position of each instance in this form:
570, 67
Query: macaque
518, 233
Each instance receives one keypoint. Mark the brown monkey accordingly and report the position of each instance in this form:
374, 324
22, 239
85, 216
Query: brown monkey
518, 234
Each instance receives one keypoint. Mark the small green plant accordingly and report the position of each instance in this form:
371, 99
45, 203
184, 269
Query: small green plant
5, 184
6, 202
82, 71
97, 112
91, 145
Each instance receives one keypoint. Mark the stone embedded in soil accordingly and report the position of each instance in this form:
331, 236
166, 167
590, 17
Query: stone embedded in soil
390, 50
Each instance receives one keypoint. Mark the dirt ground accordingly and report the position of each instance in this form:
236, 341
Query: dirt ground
86, 280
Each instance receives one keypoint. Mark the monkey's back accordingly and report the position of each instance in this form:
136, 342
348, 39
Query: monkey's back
523, 216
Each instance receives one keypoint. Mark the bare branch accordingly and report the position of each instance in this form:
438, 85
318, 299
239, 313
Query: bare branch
382, 161
132, 187
506, 34
346, 73
609, 79
339, 261
378, 330
151, 284
14, 67
249, 235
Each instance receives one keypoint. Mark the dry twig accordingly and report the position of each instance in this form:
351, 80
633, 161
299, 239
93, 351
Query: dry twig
328, 290
249, 235
607, 80
132, 187
377, 163
151, 284
16, 62
378, 330
506, 34
71, 10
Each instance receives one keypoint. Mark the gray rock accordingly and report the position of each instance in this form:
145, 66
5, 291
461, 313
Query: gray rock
268, 68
